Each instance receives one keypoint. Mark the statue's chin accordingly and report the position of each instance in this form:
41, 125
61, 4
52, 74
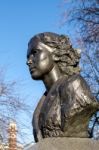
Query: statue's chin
35, 77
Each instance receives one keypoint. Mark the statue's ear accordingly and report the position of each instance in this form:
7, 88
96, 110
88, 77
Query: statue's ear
55, 58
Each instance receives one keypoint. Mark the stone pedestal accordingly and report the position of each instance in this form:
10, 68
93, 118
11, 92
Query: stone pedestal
66, 144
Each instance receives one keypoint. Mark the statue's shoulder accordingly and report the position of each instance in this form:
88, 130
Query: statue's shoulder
75, 84
75, 77
77, 81
74, 80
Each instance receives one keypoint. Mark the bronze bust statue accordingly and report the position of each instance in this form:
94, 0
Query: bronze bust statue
67, 104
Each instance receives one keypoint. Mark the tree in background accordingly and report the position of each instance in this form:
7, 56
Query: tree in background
12, 107
83, 16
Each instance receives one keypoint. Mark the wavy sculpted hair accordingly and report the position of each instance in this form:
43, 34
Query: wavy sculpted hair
66, 57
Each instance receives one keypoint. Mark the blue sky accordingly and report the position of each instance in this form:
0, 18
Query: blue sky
19, 21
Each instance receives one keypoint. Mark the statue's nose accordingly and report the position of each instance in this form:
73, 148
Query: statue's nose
29, 61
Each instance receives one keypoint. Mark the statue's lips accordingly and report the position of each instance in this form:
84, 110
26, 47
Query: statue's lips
32, 70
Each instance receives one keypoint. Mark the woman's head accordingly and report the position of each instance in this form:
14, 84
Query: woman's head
60, 48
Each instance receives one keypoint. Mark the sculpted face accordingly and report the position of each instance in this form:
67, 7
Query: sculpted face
39, 60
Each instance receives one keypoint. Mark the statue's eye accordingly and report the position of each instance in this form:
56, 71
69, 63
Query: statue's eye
34, 52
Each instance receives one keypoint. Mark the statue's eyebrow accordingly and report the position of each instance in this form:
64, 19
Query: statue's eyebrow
31, 51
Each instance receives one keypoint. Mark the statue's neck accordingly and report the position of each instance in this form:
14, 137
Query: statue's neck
50, 78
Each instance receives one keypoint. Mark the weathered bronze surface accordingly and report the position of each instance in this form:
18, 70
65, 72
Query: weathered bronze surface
67, 105
66, 144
